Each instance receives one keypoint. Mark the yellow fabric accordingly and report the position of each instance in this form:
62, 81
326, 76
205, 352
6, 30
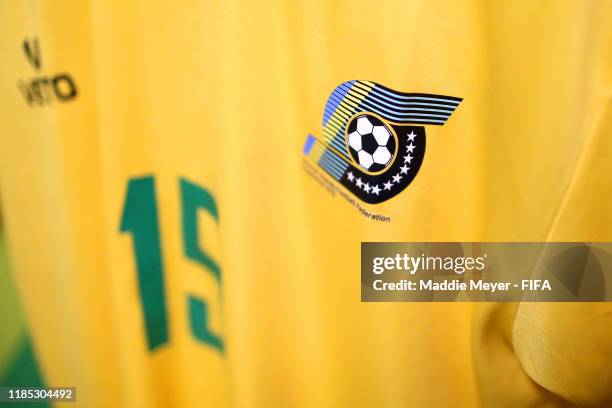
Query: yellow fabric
222, 93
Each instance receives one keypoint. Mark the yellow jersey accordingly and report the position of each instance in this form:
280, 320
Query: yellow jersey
174, 245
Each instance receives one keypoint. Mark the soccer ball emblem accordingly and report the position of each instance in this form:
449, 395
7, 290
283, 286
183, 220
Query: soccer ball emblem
370, 143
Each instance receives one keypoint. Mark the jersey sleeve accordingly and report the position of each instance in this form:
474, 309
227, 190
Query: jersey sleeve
567, 347
557, 354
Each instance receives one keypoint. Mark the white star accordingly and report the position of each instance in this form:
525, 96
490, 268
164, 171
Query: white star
375, 189
411, 136
404, 169
350, 176
408, 159
410, 148
366, 187
397, 178
359, 183
387, 185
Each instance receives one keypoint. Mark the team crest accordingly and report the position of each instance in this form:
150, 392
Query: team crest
374, 137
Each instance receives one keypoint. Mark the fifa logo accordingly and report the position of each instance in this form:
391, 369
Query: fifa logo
374, 137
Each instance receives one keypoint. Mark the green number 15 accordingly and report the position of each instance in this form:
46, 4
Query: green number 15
141, 220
